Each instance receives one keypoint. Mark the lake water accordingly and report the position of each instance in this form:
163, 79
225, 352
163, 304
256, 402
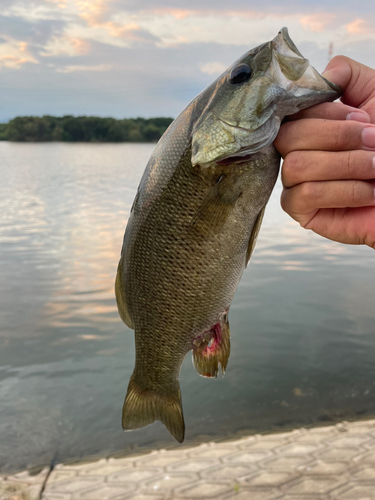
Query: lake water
302, 321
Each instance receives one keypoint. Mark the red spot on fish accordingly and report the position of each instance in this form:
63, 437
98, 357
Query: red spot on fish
215, 341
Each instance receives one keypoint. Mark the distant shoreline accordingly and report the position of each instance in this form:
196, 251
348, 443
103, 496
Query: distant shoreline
83, 129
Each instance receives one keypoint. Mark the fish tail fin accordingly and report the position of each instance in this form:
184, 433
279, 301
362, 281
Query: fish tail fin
142, 407
212, 348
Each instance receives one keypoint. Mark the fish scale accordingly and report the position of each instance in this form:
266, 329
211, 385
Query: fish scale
195, 220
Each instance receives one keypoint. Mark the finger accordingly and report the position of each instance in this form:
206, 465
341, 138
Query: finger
356, 80
305, 199
332, 111
324, 135
306, 166
353, 226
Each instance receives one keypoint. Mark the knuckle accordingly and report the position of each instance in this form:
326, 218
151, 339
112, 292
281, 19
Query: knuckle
349, 167
284, 138
284, 201
292, 166
340, 135
296, 206
311, 191
355, 192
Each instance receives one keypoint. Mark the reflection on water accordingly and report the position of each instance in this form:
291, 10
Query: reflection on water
302, 320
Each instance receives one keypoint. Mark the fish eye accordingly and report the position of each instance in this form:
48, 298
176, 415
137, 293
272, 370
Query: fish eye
240, 73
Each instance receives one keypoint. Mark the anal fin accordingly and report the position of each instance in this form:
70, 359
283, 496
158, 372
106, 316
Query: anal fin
212, 349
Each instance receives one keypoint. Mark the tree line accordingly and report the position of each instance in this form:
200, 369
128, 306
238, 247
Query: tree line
83, 129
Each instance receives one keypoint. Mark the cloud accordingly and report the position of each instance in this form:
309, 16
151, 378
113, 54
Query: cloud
34, 32
58, 46
14, 54
32, 11
213, 68
74, 69
359, 26
14, 62
176, 13
317, 22
61, 4
93, 11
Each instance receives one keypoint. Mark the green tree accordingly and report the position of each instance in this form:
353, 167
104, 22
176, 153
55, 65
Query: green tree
118, 132
3, 128
152, 133
57, 133
73, 130
135, 135
83, 128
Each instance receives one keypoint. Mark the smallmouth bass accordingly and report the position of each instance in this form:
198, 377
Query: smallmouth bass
195, 220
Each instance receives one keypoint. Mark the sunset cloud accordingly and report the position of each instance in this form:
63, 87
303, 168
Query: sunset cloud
152, 59
93, 11
65, 46
358, 27
14, 54
176, 13
74, 69
14, 62
317, 22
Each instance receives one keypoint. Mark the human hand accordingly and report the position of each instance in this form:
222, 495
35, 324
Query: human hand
328, 172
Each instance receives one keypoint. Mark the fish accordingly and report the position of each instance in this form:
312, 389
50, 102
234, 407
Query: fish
195, 220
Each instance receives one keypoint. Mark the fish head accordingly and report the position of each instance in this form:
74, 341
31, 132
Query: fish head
248, 102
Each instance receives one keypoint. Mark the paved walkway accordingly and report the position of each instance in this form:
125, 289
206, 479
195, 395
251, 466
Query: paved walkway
325, 463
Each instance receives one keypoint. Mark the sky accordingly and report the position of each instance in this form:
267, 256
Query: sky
128, 58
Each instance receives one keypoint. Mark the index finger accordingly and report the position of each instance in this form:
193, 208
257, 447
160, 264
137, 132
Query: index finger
332, 111
324, 135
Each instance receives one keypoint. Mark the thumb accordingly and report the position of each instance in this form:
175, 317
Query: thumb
356, 80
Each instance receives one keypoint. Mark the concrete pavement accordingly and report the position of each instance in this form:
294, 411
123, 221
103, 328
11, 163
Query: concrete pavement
322, 463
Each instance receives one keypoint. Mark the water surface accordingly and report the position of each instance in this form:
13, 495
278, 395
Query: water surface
303, 343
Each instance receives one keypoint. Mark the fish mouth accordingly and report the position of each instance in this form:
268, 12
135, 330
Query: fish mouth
284, 33
295, 72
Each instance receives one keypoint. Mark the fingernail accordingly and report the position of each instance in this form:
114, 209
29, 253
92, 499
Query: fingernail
328, 74
358, 116
373, 162
368, 137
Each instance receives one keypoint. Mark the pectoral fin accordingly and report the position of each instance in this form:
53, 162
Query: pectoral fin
254, 235
216, 206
